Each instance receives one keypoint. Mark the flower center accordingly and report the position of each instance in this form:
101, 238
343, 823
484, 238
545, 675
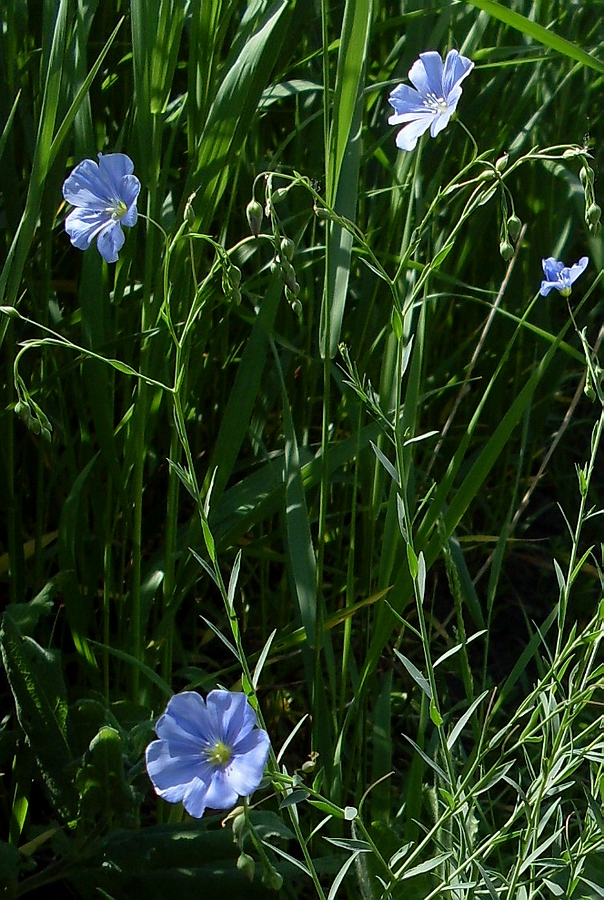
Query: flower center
219, 754
118, 210
437, 105
564, 280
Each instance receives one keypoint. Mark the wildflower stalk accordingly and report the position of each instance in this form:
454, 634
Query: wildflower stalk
585, 476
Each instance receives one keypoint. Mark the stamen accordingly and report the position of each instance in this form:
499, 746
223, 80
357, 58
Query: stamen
118, 210
435, 104
219, 754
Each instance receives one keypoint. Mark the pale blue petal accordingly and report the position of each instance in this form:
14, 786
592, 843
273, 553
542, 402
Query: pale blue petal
551, 268
113, 167
82, 225
85, 188
453, 99
231, 714
406, 100
408, 136
440, 122
426, 74
110, 241
170, 775
185, 718
456, 68
195, 798
578, 269
219, 792
246, 770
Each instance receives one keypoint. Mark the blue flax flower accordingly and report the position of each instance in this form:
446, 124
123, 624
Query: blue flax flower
434, 100
104, 195
209, 752
559, 276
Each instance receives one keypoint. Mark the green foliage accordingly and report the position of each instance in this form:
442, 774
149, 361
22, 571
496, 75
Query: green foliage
315, 436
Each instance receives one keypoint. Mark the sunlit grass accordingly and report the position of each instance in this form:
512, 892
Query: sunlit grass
345, 463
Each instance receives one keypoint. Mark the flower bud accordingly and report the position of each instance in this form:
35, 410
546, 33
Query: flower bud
288, 273
322, 213
239, 823
10, 311
292, 294
592, 215
234, 274
278, 195
586, 174
287, 248
514, 227
273, 880
246, 866
253, 212
22, 410
506, 250
502, 163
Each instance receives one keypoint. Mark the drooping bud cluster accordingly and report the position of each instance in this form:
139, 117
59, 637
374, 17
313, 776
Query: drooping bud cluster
282, 265
284, 248
231, 279
33, 417
593, 212
511, 226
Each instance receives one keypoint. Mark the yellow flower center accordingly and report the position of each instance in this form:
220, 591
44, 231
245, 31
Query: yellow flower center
118, 210
219, 754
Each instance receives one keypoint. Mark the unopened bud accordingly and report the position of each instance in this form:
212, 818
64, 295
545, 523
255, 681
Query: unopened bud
292, 295
288, 273
502, 163
22, 410
506, 250
246, 866
272, 880
253, 212
278, 195
593, 215
238, 818
586, 174
287, 248
322, 213
10, 311
514, 227
234, 275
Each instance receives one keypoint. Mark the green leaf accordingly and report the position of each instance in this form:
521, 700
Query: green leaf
168, 860
104, 790
538, 33
38, 689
